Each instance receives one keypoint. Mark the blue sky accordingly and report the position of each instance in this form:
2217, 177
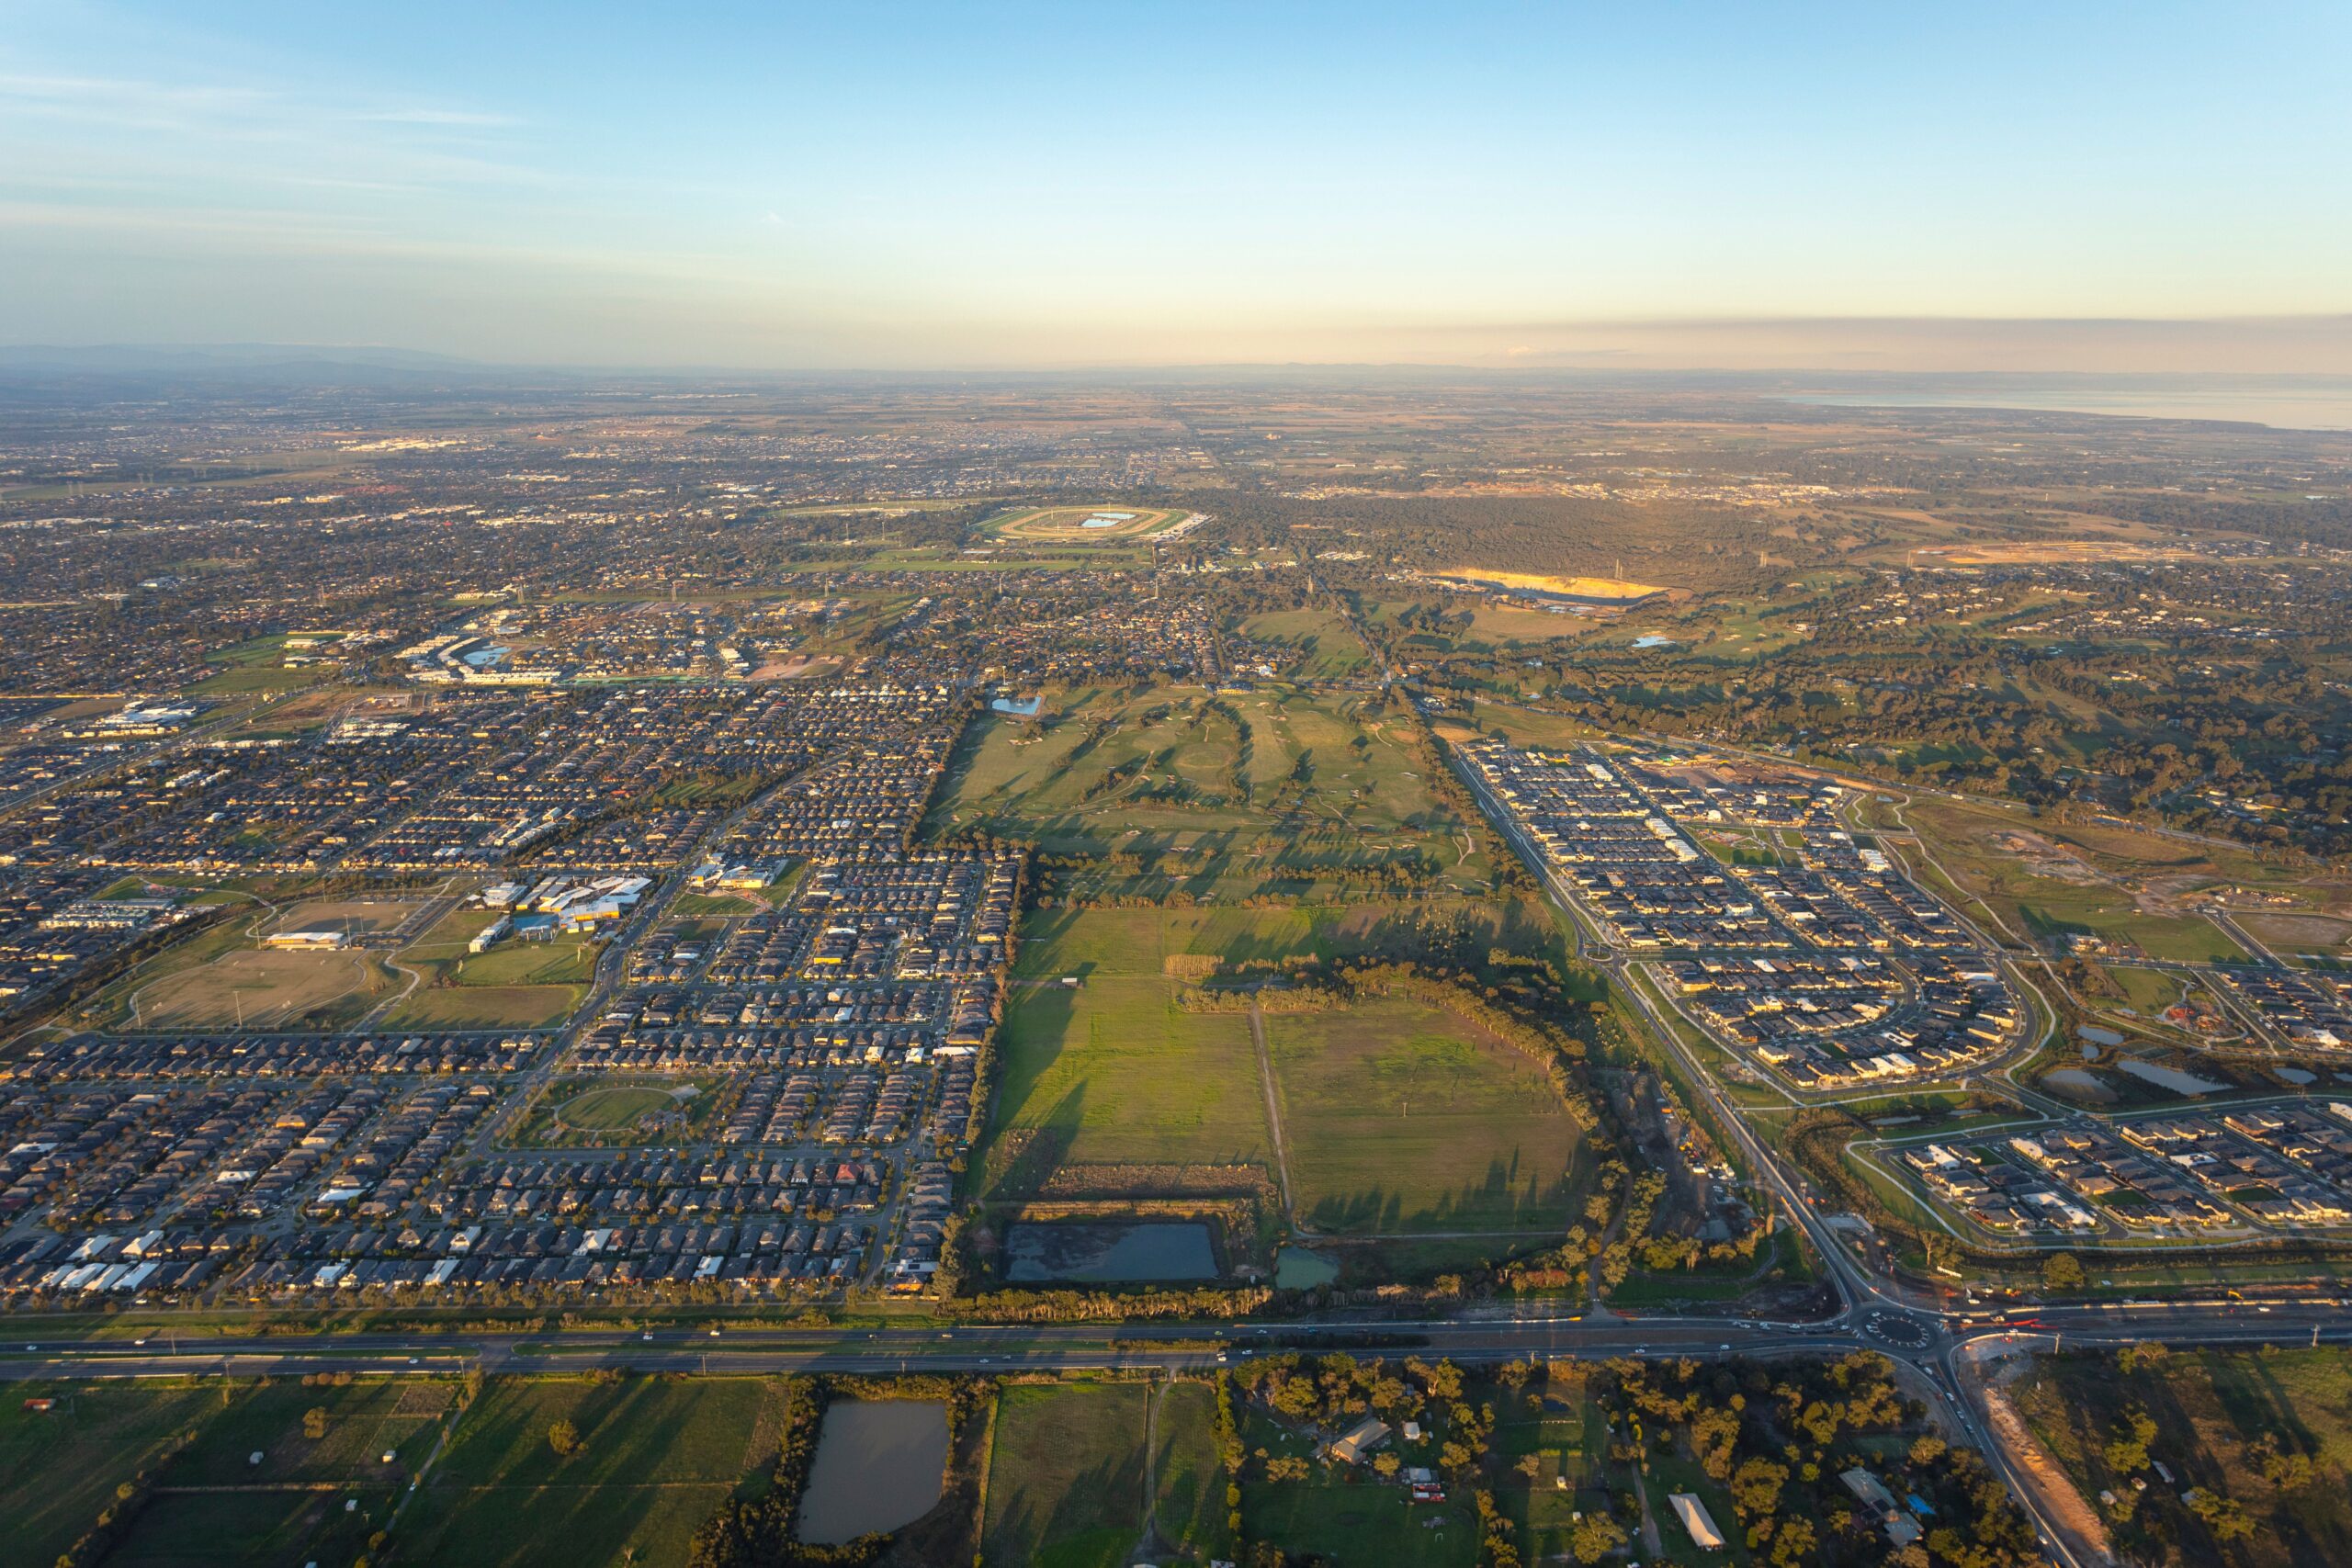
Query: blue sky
857, 185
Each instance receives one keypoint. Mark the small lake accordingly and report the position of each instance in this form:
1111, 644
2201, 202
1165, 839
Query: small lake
1110, 1254
2169, 1077
880, 1464
1027, 707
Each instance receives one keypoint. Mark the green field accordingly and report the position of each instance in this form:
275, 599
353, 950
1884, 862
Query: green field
486, 1007
1399, 1116
599, 1110
516, 985
1066, 1476
58, 1469
659, 1455
1117, 1072
1264, 790
1189, 1481
2218, 1416
1322, 643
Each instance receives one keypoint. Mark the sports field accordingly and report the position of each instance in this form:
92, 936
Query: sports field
1399, 1116
485, 1007
516, 985
1068, 525
256, 988
351, 917
605, 1111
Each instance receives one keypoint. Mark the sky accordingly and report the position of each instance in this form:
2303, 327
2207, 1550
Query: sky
1985, 186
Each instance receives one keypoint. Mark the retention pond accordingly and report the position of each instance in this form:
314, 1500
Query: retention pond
1154, 1251
880, 1464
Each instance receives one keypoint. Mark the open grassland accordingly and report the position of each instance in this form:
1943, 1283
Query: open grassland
1400, 1117
2042, 882
1116, 1071
1188, 1505
1326, 648
59, 1468
658, 1455
2223, 1420
1272, 790
1138, 942
1066, 1476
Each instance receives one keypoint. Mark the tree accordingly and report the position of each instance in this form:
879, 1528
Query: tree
1756, 1486
1792, 1542
2129, 1449
2061, 1271
564, 1438
1595, 1536
314, 1423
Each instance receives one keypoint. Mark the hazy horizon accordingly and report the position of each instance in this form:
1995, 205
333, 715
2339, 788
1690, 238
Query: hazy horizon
927, 187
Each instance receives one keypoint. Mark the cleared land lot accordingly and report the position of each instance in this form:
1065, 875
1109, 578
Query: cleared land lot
1400, 1116
2096, 881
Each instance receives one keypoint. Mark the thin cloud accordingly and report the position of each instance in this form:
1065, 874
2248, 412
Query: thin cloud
461, 118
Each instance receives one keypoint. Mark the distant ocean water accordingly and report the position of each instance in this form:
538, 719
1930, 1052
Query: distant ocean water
2298, 402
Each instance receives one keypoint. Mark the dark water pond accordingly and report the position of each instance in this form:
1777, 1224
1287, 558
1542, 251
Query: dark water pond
880, 1464
1110, 1254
